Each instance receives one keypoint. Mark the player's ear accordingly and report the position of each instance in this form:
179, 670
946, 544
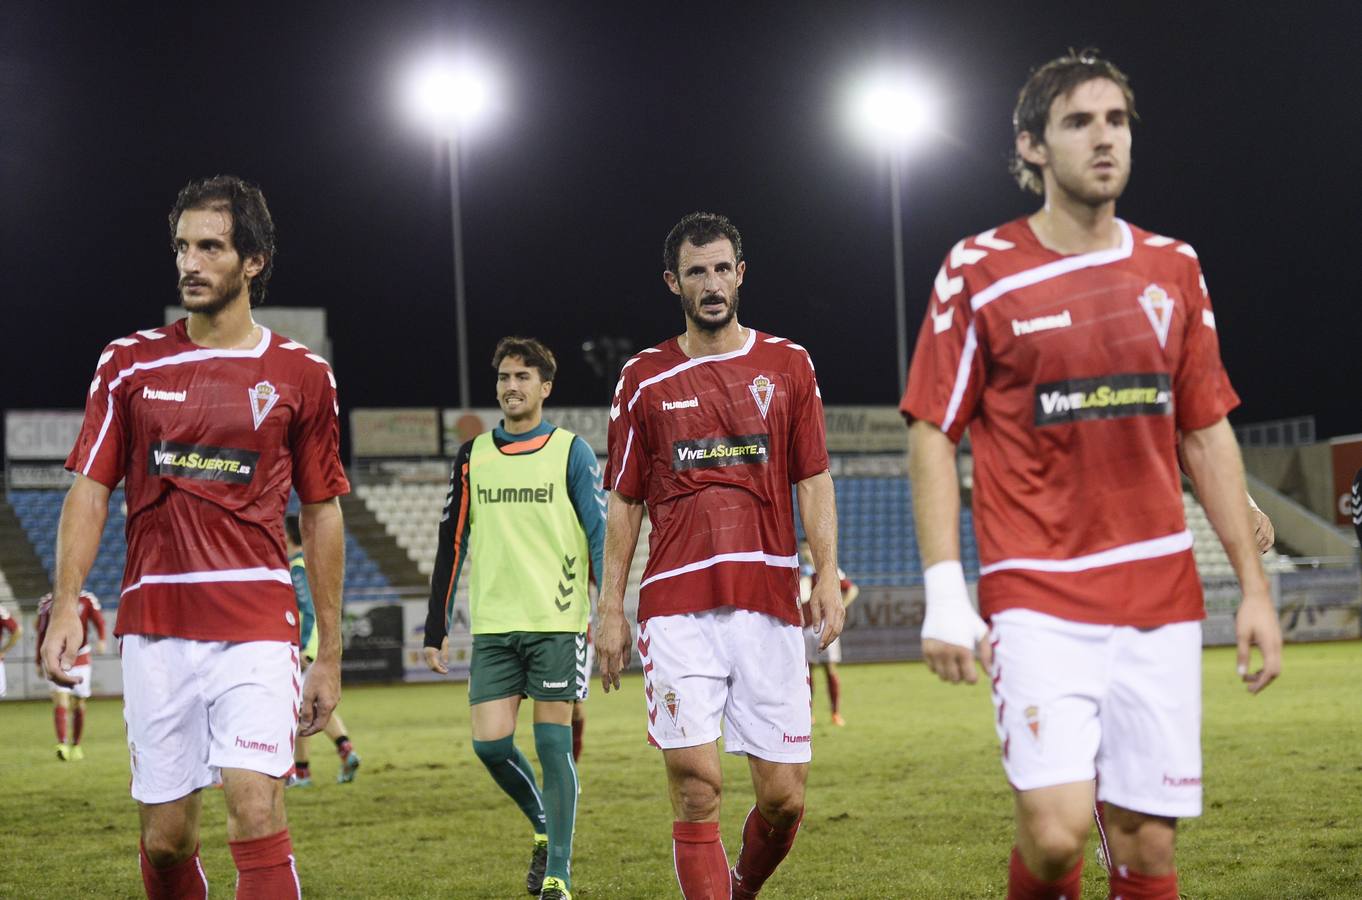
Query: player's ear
545, 388
741, 268
1030, 149
255, 264
672, 282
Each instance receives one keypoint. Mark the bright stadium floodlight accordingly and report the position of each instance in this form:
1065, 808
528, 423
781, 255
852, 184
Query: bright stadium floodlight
895, 111
451, 95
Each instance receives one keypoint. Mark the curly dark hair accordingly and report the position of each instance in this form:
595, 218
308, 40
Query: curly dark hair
1056, 79
252, 226
531, 351
699, 228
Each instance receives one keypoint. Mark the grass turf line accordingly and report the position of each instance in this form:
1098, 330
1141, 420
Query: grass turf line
907, 800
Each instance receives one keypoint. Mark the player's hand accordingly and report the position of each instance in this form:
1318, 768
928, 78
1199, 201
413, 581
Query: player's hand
953, 663
1263, 531
827, 613
952, 632
64, 638
1255, 624
321, 693
612, 648
438, 659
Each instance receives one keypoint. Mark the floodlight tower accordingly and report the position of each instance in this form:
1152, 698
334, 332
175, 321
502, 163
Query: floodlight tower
895, 111
450, 96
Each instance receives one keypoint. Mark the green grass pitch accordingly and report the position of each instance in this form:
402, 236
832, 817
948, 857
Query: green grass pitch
908, 800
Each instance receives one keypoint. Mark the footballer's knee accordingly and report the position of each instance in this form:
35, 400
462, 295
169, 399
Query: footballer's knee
697, 799
1051, 848
782, 814
494, 753
255, 805
1142, 842
165, 847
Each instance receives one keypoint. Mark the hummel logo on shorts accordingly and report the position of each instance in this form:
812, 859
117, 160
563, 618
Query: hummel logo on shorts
555, 684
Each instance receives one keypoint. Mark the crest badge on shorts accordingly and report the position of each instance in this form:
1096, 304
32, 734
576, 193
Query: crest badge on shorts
763, 389
1032, 714
672, 703
263, 397
1158, 306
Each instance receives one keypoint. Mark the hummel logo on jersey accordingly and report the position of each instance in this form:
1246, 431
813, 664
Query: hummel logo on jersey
263, 397
204, 463
669, 405
1041, 323
1112, 397
153, 394
516, 495
711, 453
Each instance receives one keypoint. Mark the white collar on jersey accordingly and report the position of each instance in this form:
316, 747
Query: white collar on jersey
1061, 266
692, 363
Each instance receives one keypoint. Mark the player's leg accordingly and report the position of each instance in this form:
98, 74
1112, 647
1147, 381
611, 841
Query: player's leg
302, 769
1150, 761
695, 786
579, 707
555, 674
768, 717
1049, 727
169, 849
831, 657
254, 692
61, 715
349, 759
77, 727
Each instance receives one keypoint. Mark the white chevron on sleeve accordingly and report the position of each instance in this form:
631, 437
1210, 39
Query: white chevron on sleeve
965, 256
946, 288
942, 321
125, 342
151, 334
1186, 250
987, 239
1157, 240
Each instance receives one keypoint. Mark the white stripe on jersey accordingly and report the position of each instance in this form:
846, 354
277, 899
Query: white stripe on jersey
692, 363
1150, 549
1016, 281
628, 445
781, 562
189, 356
258, 573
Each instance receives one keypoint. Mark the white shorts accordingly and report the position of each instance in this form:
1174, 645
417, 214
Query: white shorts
194, 708
746, 668
2, 678
1122, 705
811, 653
82, 689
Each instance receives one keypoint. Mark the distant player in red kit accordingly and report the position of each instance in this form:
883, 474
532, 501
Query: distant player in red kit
87, 609
709, 430
1077, 349
209, 422
10, 630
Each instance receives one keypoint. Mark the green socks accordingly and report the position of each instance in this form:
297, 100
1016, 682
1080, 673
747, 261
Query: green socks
553, 743
513, 773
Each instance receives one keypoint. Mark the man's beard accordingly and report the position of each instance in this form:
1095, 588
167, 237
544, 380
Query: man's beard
1094, 196
217, 300
692, 311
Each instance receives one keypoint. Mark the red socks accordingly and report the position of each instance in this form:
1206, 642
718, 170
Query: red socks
578, 726
701, 864
59, 720
265, 869
1128, 885
1022, 885
763, 847
77, 724
182, 881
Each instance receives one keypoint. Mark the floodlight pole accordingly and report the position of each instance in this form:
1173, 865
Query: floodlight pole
460, 311
900, 306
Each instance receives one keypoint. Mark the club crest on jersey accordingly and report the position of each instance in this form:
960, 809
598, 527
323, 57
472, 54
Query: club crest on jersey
263, 397
763, 389
1158, 306
672, 703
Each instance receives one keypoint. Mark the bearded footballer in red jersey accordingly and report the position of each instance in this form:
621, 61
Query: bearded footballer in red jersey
1077, 349
88, 611
209, 422
709, 430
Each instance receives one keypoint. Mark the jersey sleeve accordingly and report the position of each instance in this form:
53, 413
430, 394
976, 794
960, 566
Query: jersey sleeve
626, 465
584, 484
101, 447
317, 471
808, 451
451, 550
1202, 394
946, 377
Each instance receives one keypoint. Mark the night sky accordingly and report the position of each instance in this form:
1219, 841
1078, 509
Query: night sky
618, 121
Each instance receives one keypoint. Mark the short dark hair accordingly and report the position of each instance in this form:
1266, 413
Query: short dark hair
532, 352
1056, 79
252, 226
699, 228
293, 529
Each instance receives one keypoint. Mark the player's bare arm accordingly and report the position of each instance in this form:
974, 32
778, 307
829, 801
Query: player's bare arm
1217, 472
623, 520
952, 631
324, 546
818, 510
82, 522
1263, 531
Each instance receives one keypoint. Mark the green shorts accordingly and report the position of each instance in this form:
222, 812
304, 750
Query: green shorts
543, 665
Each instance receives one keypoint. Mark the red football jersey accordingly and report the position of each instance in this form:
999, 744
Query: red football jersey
7, 622
1074, 375
87, 607
712, 445
209, 442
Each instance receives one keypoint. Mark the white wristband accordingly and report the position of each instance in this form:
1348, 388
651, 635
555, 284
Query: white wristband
950, 615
